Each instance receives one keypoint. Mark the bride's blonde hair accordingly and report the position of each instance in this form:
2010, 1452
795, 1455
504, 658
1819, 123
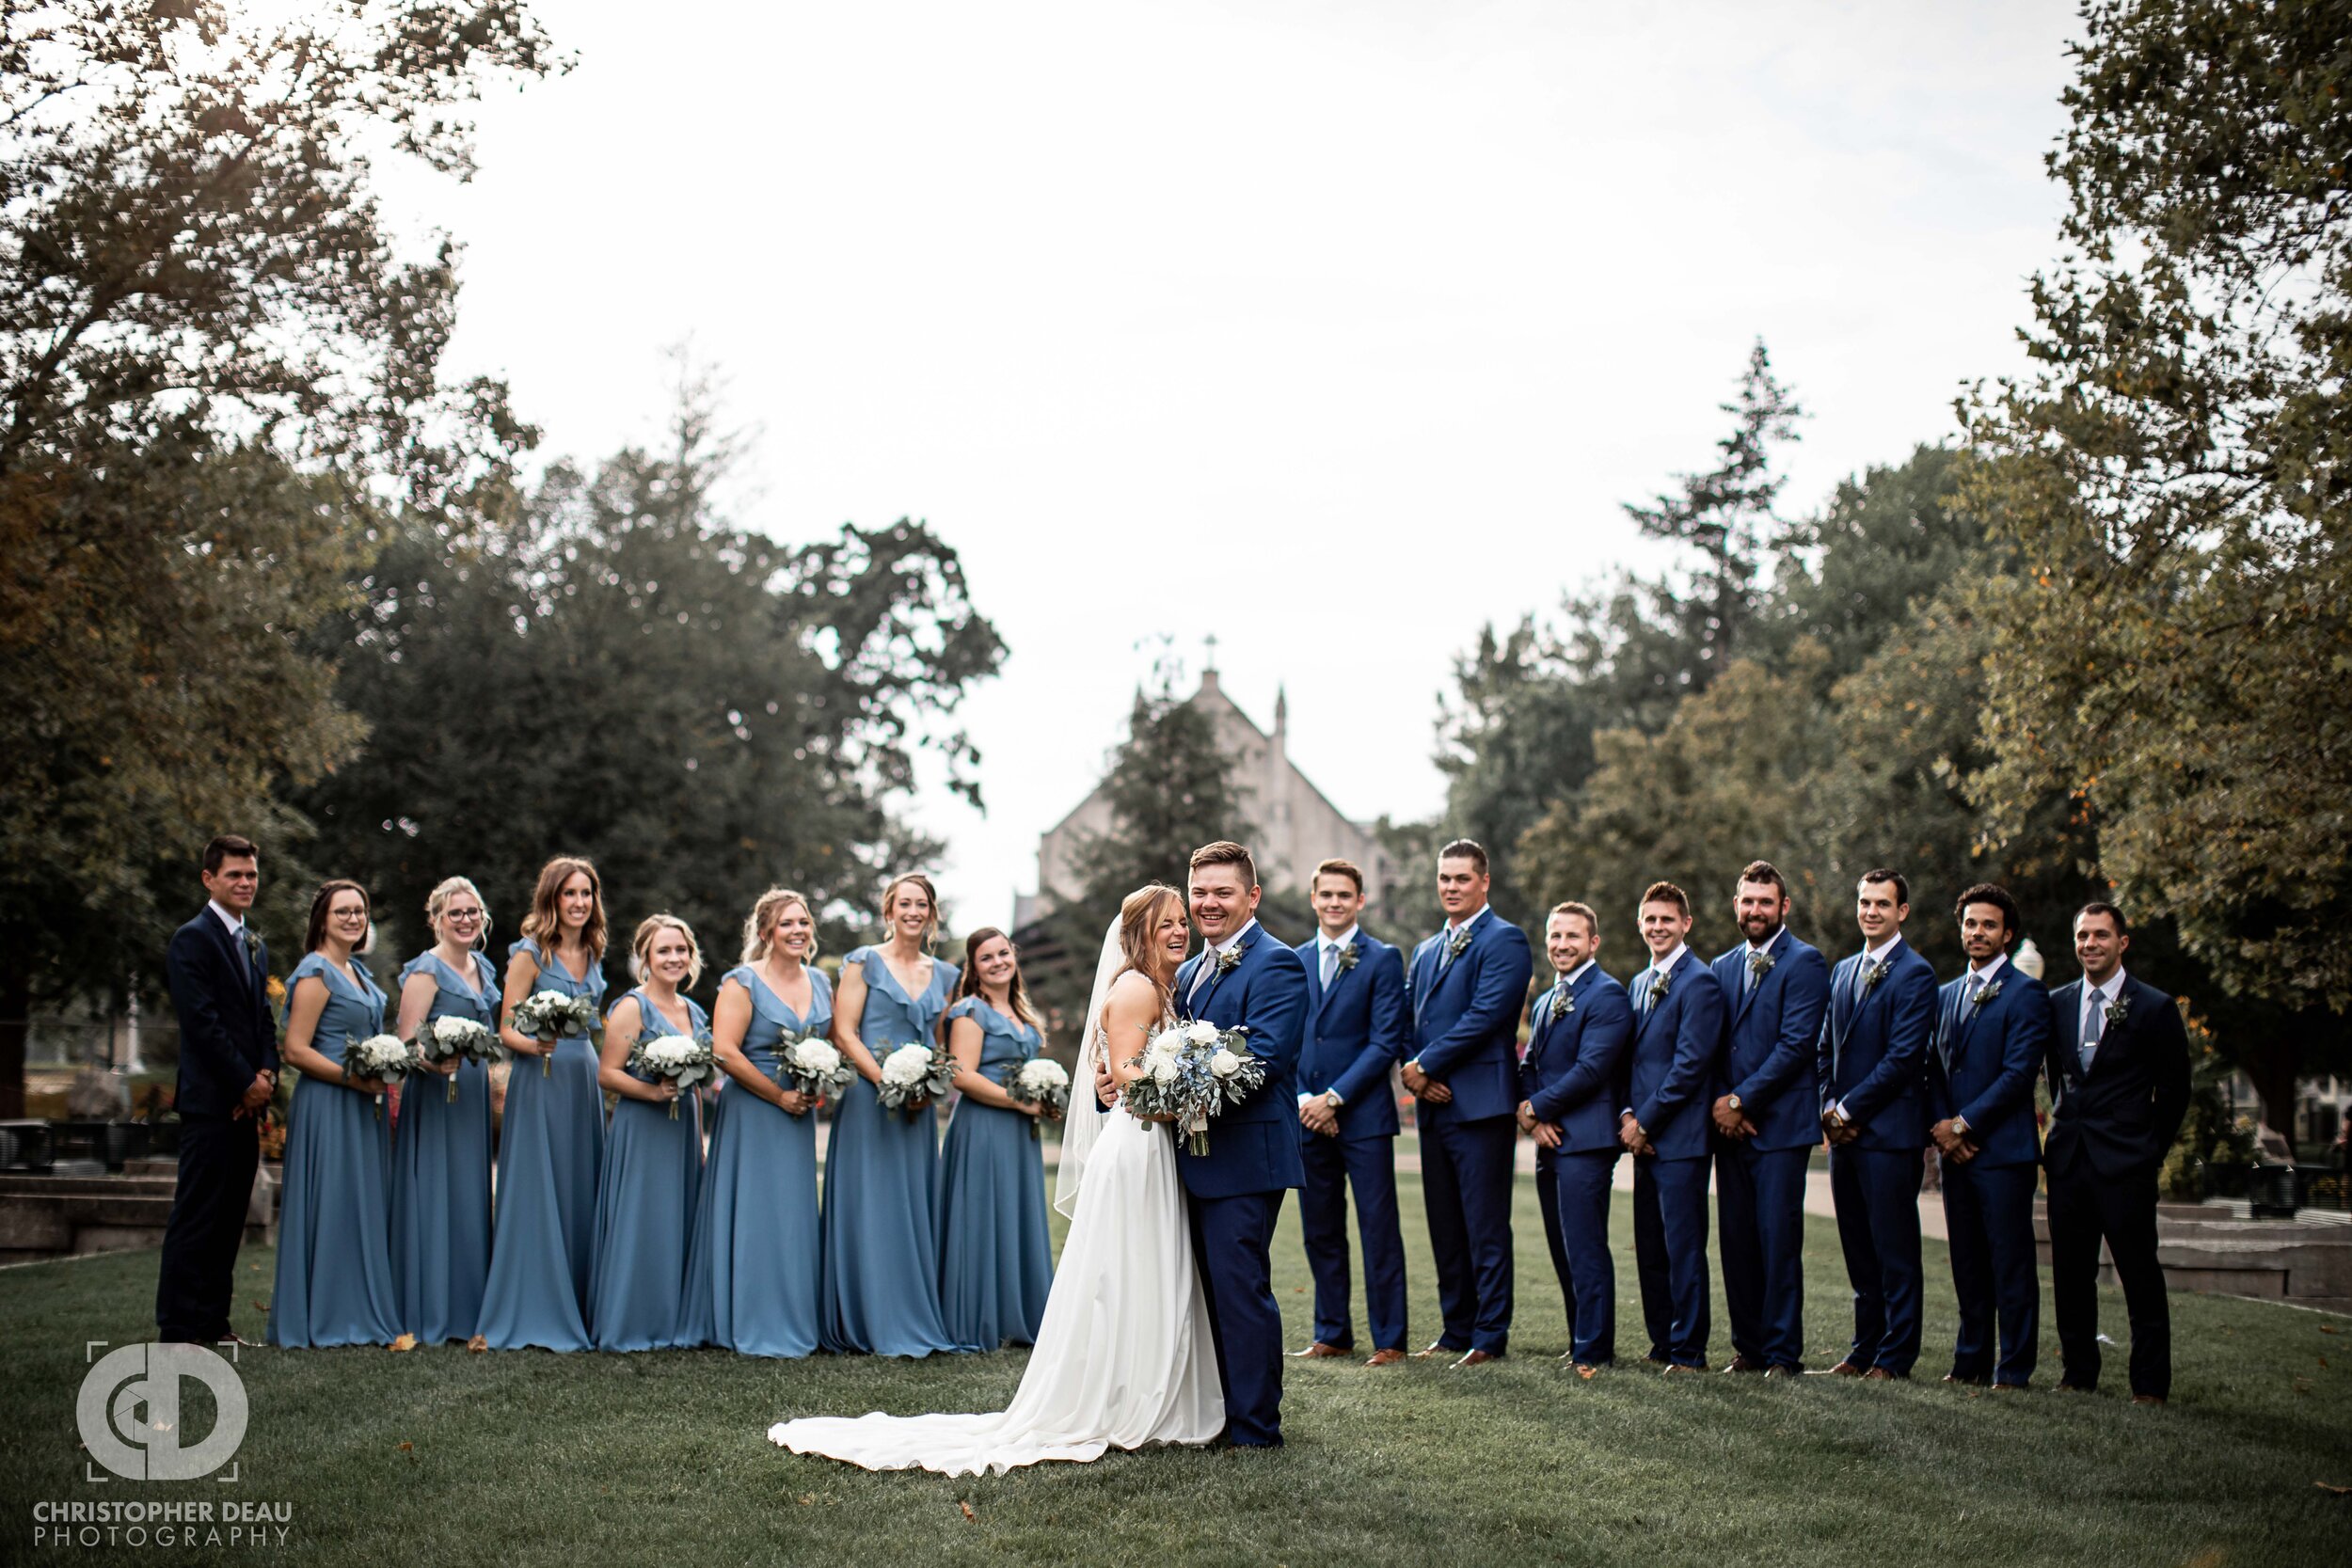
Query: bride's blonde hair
1139, 917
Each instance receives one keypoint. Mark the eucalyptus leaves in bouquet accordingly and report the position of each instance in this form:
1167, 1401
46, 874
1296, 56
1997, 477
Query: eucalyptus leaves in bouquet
1189, 1072
1040, 1081
813, 1065
915, 1075
463, 1040
684, 1060
550, 1015
383, 1057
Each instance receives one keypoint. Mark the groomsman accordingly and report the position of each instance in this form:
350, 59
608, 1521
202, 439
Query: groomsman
1678, 1037
218, 972
1873, 1047
2118, 1086
1990, 1030
1767, 1123
1577, 1035
1466, 985
1348, 1117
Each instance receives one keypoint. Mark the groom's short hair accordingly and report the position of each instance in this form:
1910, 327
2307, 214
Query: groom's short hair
1226, 853
1337, 868
1466, 849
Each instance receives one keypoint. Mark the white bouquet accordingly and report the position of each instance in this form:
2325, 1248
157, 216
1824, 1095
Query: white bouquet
550, 1016
685, 1060
381, 1056
1040, 1082
915, 1075
1190, 1073
442, 1039
812, 1067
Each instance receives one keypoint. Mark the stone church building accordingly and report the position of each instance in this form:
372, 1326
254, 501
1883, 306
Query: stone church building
1297, 826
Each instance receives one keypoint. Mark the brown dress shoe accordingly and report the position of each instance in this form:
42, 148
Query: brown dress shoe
1318, 1351
1388, 1355
1965, 1381
1475, 1358
1741, 1364
1878, 1374
1427, 1351
2009, 1388
2147, 1399
1674, 1367
1586, 1371
1843, 1368
1771, 1372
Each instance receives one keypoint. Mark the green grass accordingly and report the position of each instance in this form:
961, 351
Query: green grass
437, 1457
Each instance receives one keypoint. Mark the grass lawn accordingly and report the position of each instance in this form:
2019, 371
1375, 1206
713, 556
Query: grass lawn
437, 1457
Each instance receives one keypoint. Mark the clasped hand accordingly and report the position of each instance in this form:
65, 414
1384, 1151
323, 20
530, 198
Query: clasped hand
1422, 1086
1948, 1139
1545, 1134
1731, 1123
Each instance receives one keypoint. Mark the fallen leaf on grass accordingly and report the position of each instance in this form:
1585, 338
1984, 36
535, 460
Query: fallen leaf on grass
408, 1447
2327, 1328
2333, 1491
969, 1516
260, 1306
478, 1344
808, 1499
406, 1341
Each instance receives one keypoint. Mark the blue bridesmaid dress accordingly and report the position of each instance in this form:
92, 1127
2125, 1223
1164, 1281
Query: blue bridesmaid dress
653, 1170
334, 1234
879, 1230
995, 1254
441, 1170
751, 1276
550, 1149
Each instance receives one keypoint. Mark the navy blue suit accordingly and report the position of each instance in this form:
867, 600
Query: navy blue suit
1872, 1058
1466, 1015
1981, 1070
1570, 1077
1668, 1080
1355, 1036
227, 1036
1235, 1191
1769, 1061
2110, 1124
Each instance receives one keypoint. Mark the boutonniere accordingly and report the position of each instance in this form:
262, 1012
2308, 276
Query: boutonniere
1657, 988
1347, 960
1985, 995
2117, 1010
252, 944
1760, 964
1457, 943
1871, 977
1562, 1003
1228, 959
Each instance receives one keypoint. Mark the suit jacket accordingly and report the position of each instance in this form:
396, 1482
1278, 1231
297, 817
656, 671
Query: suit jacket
1873, 1049
227, 1034
1253, 1147
1676, 1046
1569, 1074
1355, 1033
1465, 1019
1982, 1065
1770, 1051
2122, 1115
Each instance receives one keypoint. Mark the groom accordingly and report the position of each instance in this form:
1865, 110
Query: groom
1244, 979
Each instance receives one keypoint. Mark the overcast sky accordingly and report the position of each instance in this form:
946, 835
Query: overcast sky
1338, 329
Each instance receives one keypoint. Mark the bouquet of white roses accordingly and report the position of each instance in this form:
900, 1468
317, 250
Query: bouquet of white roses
1040, 1082
1192, 1071
550, 1016
685, 1060
812, 1067
381, 1056
442, 1039
915, 1075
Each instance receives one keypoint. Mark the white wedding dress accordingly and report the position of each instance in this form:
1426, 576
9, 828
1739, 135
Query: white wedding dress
1123, 1357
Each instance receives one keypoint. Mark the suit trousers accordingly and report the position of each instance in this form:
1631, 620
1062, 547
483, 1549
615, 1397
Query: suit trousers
1547, 1209
1876, 1194
1669, 1255
1759, 1206
1230, 1237
1333, 1165
218, 1159
1581, 1187
1466, 1183
1988, 1215
2086, 1209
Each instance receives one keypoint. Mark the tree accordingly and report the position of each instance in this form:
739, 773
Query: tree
2176, 480
1725, 514
702, 712
215, 375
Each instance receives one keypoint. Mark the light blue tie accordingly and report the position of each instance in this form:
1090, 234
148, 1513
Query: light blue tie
2094, 1028
1330, 963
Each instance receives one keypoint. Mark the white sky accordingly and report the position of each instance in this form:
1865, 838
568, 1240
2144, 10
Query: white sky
1337, 329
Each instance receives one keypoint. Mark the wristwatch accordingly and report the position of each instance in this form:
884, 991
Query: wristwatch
1960, 1126
1732, 1101
1332, 1098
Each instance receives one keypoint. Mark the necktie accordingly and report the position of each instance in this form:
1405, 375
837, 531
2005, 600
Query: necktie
1330, 963
2094, 1025
1208, 967
1649, 989
1749, 984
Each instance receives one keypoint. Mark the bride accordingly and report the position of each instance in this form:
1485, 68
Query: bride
1123, 1357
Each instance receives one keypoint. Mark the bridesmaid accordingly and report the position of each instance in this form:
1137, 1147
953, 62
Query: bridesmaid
751, 1279
440, 1146
334, 1253
879, 1233
995, 1256
552, 1134
653, 1162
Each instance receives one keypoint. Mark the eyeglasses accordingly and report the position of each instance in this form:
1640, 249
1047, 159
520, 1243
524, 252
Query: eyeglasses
467, 917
